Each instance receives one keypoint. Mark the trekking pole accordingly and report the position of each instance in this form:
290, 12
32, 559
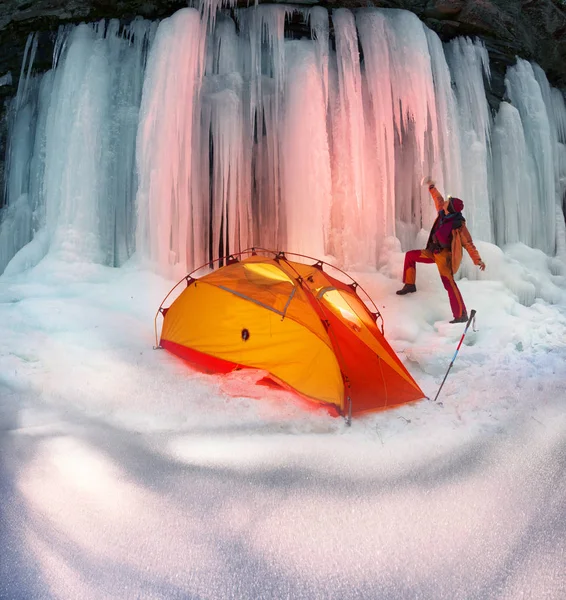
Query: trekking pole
472, 315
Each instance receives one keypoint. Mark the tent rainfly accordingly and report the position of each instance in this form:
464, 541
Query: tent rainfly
309, 331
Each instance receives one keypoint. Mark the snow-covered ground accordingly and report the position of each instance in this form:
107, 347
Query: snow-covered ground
125, 474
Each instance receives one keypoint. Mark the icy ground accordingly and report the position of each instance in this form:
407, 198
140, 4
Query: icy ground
124, 474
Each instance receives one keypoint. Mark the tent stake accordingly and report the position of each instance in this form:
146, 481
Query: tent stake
472, 316
349, 416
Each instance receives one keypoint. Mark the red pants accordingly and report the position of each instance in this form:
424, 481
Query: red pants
443, 260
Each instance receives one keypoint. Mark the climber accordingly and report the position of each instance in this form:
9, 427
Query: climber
444, 247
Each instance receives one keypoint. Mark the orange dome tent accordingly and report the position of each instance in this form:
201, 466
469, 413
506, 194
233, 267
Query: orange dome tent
308, 330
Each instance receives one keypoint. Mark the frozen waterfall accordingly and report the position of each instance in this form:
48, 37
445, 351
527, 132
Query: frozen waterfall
204, 134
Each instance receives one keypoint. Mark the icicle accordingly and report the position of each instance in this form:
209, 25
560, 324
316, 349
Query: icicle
63, 34
38, 158
127, 52
75, 174
318, 17
24, 80
167, 229
227, 51
210, 9
514, 187
469, 63
562, 178
264, 24
305, 154
411, 77
414, 107
227, 129
16, 228
19, 152
379, 218
348, 143
526, 95
552, 116
445, 163
264, 65
560, 234
402, 104
24, 219
559, 109
556, 112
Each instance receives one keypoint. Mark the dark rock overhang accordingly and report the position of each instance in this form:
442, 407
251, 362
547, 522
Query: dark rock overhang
532, 29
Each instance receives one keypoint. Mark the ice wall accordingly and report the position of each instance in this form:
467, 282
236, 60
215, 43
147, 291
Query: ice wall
212, 131
71, 157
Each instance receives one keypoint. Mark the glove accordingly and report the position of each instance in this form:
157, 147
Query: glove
427, 181
481, 265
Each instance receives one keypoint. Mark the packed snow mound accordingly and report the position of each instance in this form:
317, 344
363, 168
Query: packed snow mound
123, 470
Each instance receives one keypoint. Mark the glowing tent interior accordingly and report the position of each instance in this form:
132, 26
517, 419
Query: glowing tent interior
309, 331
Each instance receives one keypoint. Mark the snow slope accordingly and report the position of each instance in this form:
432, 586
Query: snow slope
125, 474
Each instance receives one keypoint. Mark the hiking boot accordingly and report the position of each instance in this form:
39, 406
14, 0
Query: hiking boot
462, 319
408, 288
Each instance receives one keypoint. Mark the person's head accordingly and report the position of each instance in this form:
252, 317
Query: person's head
453, 205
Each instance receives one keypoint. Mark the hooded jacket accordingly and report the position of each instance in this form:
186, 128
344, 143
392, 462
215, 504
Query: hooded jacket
460, 234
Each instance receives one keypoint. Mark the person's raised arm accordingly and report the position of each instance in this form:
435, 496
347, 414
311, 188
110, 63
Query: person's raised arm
436, 195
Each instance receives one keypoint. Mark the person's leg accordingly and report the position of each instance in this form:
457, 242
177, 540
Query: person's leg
411, 259
410, 271
444, 263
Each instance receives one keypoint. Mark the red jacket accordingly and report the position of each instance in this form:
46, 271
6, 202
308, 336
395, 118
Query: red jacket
460, 236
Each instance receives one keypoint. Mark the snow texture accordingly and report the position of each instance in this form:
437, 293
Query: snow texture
124, 473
